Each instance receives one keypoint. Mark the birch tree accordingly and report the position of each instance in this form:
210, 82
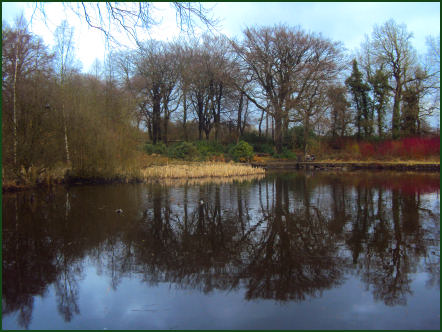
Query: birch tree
26, 74
64, 49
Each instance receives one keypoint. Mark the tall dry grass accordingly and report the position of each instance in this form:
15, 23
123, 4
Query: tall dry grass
207, 180
199, 170
143, 170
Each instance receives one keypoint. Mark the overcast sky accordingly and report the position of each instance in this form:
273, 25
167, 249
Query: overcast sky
345, 22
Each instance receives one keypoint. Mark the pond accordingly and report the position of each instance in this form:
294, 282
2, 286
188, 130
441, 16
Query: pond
291, 250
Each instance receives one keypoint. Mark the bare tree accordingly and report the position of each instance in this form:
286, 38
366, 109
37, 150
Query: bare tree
126, 72
184, 53
20, 37
64, 48
391, 46
420, 100
26, 68
288, 68
169, 87
432, 67
154, 82
339, 110
208, 81
113, 17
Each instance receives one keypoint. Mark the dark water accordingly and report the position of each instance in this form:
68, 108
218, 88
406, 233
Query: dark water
290, 251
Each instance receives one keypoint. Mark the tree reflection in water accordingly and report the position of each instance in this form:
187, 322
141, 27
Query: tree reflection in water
286, 237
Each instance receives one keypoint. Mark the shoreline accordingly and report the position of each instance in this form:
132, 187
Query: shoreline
83, 181
157, 173
349, 166
263, 166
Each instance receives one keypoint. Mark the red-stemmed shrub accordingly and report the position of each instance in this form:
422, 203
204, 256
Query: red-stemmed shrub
409, 147
367, 149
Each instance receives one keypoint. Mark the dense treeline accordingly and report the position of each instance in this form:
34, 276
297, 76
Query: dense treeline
56, 117
281, 83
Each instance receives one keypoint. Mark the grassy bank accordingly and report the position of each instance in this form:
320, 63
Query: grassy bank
148, 168
350, 165
432, 161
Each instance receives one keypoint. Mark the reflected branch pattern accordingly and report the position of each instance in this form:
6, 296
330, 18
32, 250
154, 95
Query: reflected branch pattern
287, 237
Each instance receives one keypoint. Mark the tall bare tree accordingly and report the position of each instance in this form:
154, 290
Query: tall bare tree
208, 81
155, 80
339, 110
391, 46
64, 48
26, 72
19, 38
286, 65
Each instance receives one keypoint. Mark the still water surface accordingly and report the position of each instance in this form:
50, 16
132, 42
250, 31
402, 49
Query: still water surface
288, 251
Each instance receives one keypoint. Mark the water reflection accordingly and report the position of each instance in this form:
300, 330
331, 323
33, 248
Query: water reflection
287, 237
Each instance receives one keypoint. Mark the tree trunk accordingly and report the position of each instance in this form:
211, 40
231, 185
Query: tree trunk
396, 120
285, 128
200, 131
260, 124
218, 112
200, 105
238, 124
334, 123
166, 126
155, 123
244, 120
149, 128
185, 116
63, 114
14, 111
267, 125
278, 132
66, 143
380, 122
306, 131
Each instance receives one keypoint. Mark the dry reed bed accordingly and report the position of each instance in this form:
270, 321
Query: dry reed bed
199, 170
190, 173
207, 180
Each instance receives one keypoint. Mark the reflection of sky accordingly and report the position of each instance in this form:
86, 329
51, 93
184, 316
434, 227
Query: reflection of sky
135, 305
138, 305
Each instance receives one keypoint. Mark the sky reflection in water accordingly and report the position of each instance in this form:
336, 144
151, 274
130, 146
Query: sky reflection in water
290, 251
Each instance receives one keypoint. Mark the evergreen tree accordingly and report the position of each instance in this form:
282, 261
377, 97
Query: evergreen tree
381, 93
359, 91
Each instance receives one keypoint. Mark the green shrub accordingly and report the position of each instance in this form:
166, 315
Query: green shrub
255, 139
264, 148
297, 136
286, 154
207, 149
184, 150
159, 148
260, 144
242, 152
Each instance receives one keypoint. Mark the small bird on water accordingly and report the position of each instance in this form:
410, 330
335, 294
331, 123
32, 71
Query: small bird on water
119, 211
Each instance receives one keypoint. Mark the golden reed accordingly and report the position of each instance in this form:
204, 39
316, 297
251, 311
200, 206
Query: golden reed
199, 170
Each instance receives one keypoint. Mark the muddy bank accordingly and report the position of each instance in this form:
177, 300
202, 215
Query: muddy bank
157, 173
349, 166
68, 181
